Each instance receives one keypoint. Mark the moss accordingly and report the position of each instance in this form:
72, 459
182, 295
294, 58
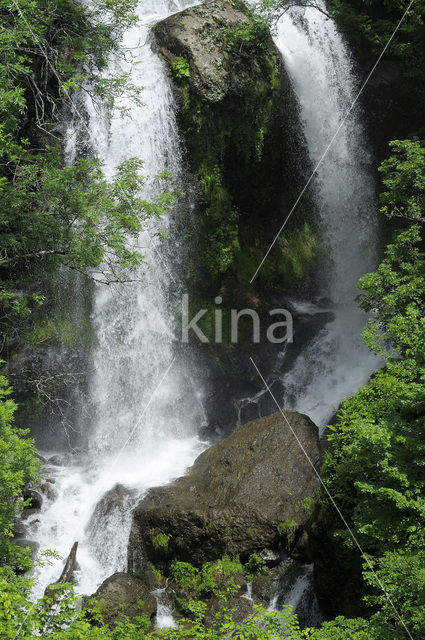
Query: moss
159, 540
305, 505
156, 573
233, 131
52, 330
287, 529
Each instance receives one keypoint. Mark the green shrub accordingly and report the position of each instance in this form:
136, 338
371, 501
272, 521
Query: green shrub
159, 540
180, 68
255, 565
287, 529
186, 575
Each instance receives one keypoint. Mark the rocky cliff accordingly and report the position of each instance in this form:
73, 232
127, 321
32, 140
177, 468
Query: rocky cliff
236, 113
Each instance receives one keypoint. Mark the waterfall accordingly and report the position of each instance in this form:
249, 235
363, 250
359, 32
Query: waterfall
146, 416
298, 594
336, 362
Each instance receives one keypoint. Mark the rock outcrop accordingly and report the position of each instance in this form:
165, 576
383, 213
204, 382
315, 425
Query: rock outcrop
236, 110
252, 490
239, 120
124, 595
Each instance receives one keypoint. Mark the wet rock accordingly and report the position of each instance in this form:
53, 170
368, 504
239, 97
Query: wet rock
250, 411
31, 544
241, 495
271, 558
124, 595
240, 609
110, 515
67, 574
151, 578
302, 549
28, 513
57, 461
266, 585
34, 497
197, 35
47, 489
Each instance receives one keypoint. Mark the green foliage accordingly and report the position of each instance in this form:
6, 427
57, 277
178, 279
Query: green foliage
203, 581
226, 143
59, 39
375, 466
254, 33
159, 540
287, 529
186, 575
297, 249
52, 215
306, 504
403, 175
395, 294
18, 465
180, 68
255, 565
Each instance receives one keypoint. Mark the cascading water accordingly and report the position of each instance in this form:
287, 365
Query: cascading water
135, 443
336, 362
145, 425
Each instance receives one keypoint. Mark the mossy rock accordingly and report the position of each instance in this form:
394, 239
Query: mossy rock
234, 497
124, 595
239, 119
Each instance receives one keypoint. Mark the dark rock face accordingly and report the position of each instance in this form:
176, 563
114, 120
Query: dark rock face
236, 111
122, 594
241, 495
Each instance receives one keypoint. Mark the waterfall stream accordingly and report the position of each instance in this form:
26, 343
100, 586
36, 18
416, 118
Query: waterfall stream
131, 441
336, 362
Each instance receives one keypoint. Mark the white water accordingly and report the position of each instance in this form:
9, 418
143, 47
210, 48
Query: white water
164, 613
145, 425
336, 363
141, 447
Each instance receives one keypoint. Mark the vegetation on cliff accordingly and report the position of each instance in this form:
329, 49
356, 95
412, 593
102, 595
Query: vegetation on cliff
52, 214
236, 115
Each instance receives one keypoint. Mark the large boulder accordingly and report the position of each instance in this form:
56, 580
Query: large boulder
124, 595
202, 35
252, 490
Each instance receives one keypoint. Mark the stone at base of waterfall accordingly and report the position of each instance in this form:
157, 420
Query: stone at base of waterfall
253, 490
266, 585
239, 609
124, 595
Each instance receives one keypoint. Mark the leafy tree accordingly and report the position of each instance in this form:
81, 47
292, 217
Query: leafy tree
18, 465
51, 215
403, 175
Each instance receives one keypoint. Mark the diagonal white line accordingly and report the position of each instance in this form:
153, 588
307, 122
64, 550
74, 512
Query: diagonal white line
325, 153
334, 504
